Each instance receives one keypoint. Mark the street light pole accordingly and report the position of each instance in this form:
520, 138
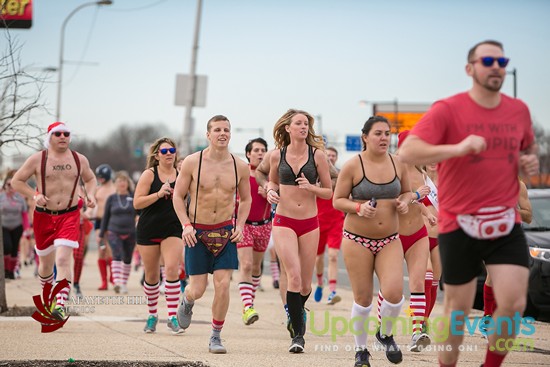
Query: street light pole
513, 72
61, 49
188, 122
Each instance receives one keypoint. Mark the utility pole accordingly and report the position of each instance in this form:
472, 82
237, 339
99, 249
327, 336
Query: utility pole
188, 124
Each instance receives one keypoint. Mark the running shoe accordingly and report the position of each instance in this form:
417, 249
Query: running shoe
117, 288
333, 298
297, 345
362, 358
276, 284
151, 325
174, 326
185, 313
59, 313
386, 343
318, 296
215, 346
250, 316
123, 289
77, 290
419, 342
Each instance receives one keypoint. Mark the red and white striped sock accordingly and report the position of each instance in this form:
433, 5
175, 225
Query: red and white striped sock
126, 269
247, 294
256, 280
428, 280
152, 293
62, 296
380, 300
332, 285
172, 295
116, 269
163, 273
418, 308
44, 280
217, 325
274, 267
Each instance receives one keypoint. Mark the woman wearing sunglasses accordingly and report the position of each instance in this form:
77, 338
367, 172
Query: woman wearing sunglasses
159, 231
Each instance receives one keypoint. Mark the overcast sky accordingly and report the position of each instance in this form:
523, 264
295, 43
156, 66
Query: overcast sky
265, 56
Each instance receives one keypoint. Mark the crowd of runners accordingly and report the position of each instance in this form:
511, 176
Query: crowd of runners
433, 204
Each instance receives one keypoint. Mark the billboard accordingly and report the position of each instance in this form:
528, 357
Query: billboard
16, 14
402, 116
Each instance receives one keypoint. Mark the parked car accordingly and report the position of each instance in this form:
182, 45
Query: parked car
538, 239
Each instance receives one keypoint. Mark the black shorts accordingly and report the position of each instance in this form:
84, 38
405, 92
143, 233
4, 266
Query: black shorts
462, 257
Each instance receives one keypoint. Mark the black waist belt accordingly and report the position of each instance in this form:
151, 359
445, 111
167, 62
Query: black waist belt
259, 223
56, 212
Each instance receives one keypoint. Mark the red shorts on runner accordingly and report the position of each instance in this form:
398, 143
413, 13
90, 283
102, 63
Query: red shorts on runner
330, 234
52, 230
256, 236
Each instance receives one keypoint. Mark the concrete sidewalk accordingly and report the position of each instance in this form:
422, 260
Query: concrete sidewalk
115, 332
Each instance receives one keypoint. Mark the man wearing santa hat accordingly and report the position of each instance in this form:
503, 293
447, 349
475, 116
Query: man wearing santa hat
58, 171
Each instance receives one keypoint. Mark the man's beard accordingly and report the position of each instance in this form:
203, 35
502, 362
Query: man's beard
491, 84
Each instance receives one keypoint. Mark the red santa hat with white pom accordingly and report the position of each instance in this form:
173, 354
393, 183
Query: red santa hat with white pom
56, 126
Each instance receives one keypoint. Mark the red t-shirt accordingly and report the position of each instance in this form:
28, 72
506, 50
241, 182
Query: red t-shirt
260, 208
467, 184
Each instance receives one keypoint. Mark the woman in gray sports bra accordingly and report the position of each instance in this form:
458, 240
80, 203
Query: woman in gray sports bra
295, 169
372, 189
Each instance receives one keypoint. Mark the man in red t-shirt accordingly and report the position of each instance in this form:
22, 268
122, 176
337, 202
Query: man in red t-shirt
481, 139
331, 226
256, 233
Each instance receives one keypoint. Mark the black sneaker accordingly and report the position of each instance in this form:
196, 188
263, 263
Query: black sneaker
362, 358
297, 345
393, 353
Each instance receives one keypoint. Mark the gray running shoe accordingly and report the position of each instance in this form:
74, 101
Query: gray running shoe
174, 326
419, 341
215, 346
297, 344
151, 325
185, 313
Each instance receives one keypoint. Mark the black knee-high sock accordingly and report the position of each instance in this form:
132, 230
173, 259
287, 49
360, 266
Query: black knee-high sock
304, 299
294, 301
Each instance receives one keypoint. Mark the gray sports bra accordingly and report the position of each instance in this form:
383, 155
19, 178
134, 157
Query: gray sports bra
286, 174
366, 190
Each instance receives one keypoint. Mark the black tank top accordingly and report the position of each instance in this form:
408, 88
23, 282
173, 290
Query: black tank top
286, 174
161, 210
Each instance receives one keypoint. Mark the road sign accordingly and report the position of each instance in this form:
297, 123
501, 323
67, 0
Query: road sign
353, 143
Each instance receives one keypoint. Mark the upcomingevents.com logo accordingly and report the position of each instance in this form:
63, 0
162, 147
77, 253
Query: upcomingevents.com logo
46, 304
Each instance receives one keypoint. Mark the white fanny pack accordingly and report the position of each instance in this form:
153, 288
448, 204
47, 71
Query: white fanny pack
488, 223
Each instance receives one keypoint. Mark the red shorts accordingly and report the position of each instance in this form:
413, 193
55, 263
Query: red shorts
408, 241
330, 234
256, 236
51, 231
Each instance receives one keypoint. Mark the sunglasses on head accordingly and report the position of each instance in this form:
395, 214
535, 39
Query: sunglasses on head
65, 133
488, 61
166, 150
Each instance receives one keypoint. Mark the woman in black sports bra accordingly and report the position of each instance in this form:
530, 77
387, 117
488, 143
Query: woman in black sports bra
159, 231
379, 189
296, 167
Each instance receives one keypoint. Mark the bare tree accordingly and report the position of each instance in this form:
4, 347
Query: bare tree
20, 101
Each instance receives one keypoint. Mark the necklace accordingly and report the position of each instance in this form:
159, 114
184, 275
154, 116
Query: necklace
120, 202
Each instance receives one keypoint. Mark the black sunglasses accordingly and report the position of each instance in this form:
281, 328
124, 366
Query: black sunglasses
164, 151
65, 133
488, 61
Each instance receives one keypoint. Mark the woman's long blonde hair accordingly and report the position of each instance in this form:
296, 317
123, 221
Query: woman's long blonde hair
282, 138
153, 151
